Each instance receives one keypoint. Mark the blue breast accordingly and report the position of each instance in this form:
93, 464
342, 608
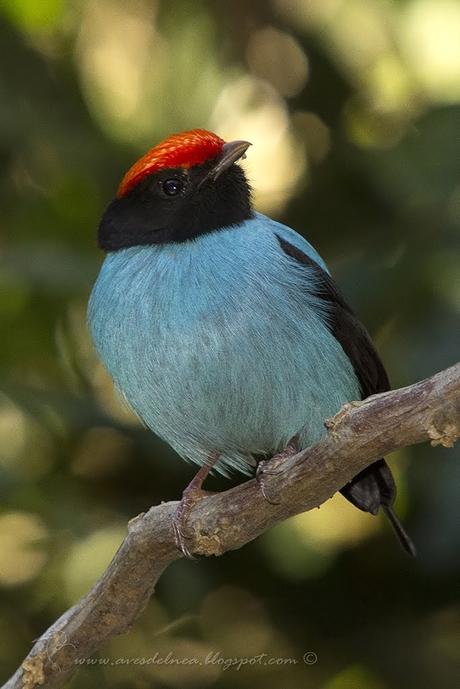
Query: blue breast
220, 343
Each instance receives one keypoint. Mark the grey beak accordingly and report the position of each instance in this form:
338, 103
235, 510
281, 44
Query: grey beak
231, 152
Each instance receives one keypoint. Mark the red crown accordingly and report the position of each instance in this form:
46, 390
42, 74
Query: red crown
179, 150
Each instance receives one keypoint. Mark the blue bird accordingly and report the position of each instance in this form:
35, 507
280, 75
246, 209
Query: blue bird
222, 328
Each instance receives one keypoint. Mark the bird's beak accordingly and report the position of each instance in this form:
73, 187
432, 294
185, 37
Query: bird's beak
231, 152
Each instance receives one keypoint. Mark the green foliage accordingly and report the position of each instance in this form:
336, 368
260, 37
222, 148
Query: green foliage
355, 129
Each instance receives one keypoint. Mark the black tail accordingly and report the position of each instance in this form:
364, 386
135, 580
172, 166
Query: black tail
374, 488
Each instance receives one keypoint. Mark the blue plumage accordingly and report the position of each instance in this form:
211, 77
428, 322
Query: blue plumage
223, 329
220, 343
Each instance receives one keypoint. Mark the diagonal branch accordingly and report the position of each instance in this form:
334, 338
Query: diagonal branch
357, 435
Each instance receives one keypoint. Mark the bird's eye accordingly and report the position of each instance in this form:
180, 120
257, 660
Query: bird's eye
172, 187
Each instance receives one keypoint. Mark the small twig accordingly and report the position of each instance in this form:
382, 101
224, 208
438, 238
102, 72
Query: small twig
358, 434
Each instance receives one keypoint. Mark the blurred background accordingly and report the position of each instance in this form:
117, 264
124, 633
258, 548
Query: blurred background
353, 107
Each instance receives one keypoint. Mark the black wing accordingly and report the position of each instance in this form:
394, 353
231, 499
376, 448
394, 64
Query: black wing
374, 487
346, 328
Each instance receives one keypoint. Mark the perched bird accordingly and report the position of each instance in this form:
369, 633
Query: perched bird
222, 328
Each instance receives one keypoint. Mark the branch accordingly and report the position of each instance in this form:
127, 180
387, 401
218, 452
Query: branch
360, 433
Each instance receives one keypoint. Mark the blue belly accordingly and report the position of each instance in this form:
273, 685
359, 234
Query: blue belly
220, 344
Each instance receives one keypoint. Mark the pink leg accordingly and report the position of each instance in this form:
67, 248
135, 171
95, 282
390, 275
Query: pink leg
270, 467
192, 494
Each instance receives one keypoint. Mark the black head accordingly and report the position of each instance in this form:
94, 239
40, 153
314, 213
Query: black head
177, 203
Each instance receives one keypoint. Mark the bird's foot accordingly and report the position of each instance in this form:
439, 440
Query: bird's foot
192, 494
271, 467
190, 497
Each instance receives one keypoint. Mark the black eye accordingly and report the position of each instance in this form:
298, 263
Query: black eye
172, 187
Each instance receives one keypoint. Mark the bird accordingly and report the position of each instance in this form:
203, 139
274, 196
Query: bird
222, 328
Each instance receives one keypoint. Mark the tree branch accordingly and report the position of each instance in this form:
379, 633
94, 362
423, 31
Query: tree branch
360, 433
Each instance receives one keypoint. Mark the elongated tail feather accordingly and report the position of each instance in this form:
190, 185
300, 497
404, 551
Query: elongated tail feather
400, 531
374, 488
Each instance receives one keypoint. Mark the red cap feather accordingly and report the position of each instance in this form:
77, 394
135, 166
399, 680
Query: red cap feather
179, 150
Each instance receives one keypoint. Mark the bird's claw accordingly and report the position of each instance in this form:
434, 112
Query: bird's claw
265, 468
272, 467
191, 495
180, 520
180, 540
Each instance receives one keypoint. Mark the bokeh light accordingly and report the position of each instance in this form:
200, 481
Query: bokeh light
353, 110
21, 539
